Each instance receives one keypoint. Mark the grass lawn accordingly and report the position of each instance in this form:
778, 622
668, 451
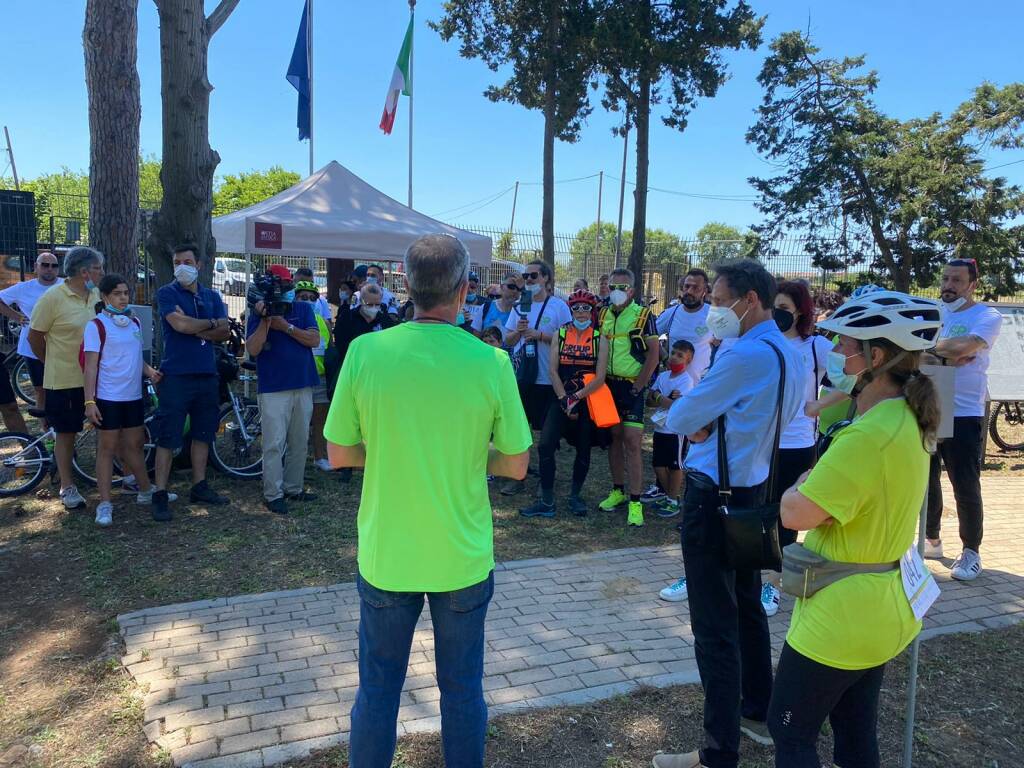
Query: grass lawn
64, 696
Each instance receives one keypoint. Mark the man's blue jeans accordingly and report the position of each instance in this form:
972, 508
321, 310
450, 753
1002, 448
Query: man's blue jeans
387, 621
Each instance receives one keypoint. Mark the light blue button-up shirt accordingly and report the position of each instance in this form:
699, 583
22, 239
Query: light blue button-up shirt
743, 384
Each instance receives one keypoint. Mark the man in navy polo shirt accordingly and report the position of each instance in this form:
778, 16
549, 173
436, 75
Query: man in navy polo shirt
283, 349
193, 318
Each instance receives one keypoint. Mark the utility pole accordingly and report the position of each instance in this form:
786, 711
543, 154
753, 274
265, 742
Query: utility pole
412, 80
622, 194
597, 238
14, 168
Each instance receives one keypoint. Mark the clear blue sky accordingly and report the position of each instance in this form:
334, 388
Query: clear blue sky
929, 54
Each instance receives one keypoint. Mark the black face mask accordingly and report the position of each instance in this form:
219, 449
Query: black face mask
783, 318
689, 300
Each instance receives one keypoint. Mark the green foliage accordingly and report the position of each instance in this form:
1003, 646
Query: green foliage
244, 189
717, 242
151, 190
901, 196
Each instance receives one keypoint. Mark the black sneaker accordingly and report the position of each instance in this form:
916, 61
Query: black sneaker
345, 474
577, 506
204, 494
538, 509
161, 512
301, 496
277, 506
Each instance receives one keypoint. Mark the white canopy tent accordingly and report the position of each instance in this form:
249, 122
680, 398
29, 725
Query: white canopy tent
336, 215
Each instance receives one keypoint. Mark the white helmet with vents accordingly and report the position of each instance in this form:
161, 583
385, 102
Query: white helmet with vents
910, 322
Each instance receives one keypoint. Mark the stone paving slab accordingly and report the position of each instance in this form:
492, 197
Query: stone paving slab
254, 680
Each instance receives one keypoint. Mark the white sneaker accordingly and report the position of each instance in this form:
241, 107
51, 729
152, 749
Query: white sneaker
129, 484
104, 513
653, 493
932, 551
71, 498
145, 499
967, 567
323, 465
674, 593
771, 597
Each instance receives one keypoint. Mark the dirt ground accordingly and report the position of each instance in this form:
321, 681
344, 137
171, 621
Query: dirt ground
65, 700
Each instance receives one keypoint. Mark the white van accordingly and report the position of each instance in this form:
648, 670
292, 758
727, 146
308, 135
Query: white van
229, 276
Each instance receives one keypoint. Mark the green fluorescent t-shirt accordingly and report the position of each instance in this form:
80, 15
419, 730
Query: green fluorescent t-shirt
426, 399
872, 482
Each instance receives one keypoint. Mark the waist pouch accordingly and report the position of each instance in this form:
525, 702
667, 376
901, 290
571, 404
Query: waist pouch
805, 572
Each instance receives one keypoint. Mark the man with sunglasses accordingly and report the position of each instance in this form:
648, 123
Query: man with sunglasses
16, 304
629, 328
495, 312
533, 331
969, 330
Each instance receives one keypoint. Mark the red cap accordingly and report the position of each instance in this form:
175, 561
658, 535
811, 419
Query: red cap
281, 271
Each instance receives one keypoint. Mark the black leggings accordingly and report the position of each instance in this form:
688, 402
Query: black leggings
793, 462
554, 427
807, 692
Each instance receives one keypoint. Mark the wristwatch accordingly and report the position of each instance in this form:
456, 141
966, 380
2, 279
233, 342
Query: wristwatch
290, 328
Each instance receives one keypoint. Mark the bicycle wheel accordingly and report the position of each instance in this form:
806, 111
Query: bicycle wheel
1006, 426
148, 452
236, 451
23, 463
22, 381
84, 458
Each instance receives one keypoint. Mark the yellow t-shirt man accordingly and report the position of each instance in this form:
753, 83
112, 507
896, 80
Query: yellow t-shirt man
62, 314
426, 399
871, 481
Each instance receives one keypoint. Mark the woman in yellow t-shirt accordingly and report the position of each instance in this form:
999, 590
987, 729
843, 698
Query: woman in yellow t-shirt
859, 504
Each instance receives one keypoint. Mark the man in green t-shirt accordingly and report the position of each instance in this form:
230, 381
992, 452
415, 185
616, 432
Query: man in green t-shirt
417, 405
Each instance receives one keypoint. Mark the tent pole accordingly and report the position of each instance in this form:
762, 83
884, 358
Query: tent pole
908, 733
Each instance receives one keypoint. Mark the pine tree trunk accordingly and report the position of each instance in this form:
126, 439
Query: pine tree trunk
110, 41
188, 163
643, 125
547, 224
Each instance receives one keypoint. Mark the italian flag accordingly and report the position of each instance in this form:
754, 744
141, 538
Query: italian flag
401, 82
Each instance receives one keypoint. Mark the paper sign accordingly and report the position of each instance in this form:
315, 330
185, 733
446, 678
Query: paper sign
918, 584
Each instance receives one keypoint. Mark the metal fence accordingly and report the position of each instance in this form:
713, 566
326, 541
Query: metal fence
62, 220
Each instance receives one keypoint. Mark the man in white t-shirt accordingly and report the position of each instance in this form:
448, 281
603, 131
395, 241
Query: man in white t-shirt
688, 319
25, 295
529, 335
968, 333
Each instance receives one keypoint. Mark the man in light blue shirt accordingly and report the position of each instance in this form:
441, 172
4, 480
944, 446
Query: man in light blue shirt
732, 643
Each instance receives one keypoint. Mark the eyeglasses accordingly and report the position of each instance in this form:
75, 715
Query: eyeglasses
512, 287
620, 286
531, 275
46, 264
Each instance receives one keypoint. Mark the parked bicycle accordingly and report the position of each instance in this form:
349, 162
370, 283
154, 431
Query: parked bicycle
1006, 427
26, 460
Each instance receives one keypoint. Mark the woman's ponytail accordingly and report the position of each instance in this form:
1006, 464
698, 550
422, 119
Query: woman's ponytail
923, 399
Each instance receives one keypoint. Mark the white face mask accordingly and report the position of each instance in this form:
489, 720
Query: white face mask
949, 307
618, 297
186, 274
534, 289
370, 312
724, 322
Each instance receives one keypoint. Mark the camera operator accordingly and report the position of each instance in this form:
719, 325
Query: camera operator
281, 334
193, 318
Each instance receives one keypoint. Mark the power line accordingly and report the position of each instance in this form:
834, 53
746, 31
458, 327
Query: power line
490, 197
559, 181
480, 207
724, 198
1003, 165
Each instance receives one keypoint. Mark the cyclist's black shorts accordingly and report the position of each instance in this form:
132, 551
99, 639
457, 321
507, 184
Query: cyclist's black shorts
121, 414
35, 371
630, 406
6, 389
65, 409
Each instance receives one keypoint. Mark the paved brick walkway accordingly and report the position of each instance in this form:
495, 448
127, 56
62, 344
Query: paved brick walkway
257, 679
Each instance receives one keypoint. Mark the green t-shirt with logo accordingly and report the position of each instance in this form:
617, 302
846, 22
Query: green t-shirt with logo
872, 481
426, 399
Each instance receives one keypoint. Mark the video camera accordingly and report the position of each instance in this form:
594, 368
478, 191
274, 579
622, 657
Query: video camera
270, 289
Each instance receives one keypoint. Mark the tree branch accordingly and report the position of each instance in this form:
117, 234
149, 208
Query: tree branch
219, 15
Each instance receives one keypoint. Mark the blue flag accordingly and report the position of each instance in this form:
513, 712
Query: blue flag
299, 74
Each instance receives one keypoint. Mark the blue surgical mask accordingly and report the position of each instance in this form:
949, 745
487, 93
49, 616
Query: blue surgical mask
460, 318
471, 297
89, 285
288, 296
835, 365
116, 311
581, 325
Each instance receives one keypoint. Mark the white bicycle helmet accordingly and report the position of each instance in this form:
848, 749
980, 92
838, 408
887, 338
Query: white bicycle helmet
909, 322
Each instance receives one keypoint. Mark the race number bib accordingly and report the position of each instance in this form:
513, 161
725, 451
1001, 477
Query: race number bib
918, 584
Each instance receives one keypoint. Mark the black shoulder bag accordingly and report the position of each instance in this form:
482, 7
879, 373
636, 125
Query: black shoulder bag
752, 533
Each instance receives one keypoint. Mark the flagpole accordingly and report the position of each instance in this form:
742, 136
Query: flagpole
412, 16
309, 58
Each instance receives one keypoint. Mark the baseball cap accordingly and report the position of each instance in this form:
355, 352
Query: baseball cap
280, 270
